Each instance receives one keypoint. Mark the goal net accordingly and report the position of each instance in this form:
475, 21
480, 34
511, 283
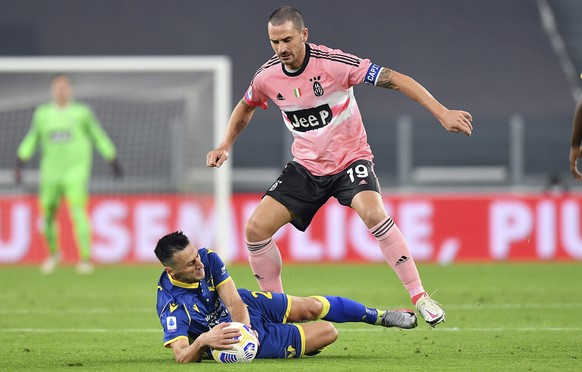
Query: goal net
163, 114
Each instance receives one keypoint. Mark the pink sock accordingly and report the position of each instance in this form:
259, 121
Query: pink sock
396, 253
417, 297
265, 261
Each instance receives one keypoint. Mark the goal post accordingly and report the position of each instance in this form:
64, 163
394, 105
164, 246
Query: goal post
163, 113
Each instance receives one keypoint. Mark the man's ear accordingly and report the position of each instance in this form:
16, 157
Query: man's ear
169, 270
305, 34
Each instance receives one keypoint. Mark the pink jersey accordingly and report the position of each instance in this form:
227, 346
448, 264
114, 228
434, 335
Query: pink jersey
318, 106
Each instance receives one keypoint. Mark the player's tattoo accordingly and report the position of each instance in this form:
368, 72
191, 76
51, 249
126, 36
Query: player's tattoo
385, 79
239, 127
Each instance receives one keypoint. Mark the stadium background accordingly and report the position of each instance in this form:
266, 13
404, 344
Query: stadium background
493, 59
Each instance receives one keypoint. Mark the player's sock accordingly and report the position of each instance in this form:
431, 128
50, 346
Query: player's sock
342, 310
82, 232
417, 297
265, 261
50, 232
396, 253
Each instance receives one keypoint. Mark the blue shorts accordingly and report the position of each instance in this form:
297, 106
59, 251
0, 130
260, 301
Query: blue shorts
268, 312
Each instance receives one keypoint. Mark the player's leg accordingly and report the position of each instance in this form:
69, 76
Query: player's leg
294, 198
369, 206
287, 341
318, 336
264, 255
270, 314
77, 196
341, 310
49, 198
358, 187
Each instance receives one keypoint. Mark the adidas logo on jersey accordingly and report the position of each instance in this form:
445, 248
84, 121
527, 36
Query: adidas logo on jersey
280, 97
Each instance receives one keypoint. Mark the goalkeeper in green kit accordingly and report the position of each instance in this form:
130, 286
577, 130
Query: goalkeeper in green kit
65, 131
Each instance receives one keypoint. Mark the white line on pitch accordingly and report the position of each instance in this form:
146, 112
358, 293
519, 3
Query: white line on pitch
459, 329
512, 306
111, 310
82, 330
503, 329
91, 310
347, 330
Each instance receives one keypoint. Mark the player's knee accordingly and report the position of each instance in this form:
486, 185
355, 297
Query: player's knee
315, 308
320, 337
305, 309
255, 231
330, 333
79, 215
311, 310
373, 216
50, 212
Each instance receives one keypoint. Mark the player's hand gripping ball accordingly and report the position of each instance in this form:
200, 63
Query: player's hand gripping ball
243, 352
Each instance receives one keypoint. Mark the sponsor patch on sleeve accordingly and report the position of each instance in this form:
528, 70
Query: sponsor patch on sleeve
372, 74
250, 93
171, 325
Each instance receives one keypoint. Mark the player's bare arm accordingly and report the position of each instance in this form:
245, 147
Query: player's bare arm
385, 79
231, 299
239, 119
575, 149
452, 120
217, 338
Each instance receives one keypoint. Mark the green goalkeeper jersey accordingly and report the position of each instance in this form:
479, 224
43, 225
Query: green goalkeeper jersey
65, 136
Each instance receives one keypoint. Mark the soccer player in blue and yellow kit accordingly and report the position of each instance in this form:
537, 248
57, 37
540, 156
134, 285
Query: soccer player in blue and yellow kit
65, 131
197, 298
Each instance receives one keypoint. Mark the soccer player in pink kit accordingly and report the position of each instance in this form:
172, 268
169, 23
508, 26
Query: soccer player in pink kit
312, 85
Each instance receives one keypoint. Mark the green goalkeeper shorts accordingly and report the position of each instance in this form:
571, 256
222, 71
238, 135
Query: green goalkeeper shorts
51, 193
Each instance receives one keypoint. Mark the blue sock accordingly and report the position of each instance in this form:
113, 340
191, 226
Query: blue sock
342, 310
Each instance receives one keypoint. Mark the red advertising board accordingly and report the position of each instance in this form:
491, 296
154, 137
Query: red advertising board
438, 228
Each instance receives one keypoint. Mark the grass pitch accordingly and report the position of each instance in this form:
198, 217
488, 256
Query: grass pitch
499, 317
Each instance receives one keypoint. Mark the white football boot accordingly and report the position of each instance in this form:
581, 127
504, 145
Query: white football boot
430, 310
50, 264
84, 268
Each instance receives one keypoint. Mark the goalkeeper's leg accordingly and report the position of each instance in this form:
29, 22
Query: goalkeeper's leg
77, 199
50, 197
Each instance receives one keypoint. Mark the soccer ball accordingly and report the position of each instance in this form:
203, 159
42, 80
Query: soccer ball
243, 352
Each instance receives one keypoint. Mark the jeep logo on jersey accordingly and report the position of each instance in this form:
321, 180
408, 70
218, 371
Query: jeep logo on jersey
310, 119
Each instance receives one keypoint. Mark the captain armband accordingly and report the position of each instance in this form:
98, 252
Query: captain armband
372, 75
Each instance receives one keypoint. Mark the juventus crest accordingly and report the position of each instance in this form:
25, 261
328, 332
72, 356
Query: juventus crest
317, 88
